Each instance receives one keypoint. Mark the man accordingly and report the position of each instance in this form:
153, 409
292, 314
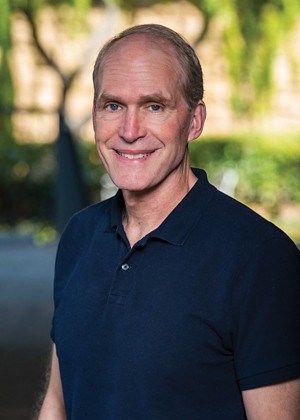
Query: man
172, 300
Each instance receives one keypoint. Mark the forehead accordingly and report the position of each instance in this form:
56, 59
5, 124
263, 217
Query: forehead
140, 50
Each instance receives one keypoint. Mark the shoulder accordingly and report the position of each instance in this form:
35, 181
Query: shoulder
244, 243
241, 226
228, 219
83, 221
82, 226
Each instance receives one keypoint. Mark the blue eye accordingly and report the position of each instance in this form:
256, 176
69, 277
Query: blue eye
155, 107
113, 107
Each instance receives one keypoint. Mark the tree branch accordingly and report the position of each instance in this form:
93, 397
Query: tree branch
28, 13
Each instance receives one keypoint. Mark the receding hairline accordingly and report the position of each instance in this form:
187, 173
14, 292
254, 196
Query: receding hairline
185, 59
151, 40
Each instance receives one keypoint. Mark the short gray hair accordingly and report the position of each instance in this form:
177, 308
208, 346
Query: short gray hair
192, 82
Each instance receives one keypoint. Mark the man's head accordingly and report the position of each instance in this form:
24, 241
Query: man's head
144, 114
190, 72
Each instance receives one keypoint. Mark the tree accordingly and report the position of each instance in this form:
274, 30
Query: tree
252, 32
70, 191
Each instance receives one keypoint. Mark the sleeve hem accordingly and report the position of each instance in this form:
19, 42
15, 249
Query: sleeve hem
269, 378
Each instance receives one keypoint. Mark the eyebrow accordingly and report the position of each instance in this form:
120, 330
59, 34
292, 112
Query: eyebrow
154, 97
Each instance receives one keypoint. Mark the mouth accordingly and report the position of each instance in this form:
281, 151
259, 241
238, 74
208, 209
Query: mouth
134, 155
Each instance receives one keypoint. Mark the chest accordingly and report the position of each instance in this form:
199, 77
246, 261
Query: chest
158, 302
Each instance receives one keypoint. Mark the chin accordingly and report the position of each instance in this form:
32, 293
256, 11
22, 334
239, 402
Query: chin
133, 188
133, 185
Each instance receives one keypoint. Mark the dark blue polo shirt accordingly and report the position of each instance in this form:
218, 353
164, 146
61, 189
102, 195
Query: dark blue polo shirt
174, 328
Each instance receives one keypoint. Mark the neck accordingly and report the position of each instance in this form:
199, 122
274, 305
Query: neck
145, 211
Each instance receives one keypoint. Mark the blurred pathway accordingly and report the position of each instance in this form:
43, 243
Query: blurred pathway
26, 279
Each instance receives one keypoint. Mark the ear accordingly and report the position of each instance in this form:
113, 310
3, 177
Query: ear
94, 110
198, 120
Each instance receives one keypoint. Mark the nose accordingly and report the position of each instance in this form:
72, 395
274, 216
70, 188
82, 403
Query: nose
132, 127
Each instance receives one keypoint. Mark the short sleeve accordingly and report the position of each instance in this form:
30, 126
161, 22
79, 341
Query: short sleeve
266, 315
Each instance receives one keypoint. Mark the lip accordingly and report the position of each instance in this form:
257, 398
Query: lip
136, 155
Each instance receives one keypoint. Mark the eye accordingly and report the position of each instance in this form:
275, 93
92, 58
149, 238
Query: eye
112, 107
155, 107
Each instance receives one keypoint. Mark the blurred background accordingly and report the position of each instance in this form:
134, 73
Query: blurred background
49, 168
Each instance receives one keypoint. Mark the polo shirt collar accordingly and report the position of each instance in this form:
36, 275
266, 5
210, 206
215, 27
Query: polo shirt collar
181, 221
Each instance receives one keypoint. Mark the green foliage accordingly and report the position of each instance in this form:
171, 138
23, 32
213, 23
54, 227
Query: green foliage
28, 181
253, 32
268, 171
26, 187
82, 5
132, 5
5, 40
210, 8
6, 97
37, 4
267, 174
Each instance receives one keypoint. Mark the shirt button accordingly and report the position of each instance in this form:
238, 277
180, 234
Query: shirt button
125, 267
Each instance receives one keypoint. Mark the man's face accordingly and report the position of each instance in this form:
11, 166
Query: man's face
141, 121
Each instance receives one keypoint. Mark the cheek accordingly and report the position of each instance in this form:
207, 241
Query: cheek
176, 136
103, 132
99, 151
99, 141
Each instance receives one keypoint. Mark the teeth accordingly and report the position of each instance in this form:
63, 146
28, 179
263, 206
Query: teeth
137, 156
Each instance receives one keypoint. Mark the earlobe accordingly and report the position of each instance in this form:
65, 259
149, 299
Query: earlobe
198, 121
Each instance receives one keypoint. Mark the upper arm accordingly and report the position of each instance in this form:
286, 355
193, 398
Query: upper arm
53, 405
266, 316
280, 401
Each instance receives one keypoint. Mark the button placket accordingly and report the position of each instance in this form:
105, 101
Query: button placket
121, 284
124, 278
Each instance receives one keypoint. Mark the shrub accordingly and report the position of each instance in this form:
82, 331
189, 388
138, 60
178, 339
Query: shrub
260, 171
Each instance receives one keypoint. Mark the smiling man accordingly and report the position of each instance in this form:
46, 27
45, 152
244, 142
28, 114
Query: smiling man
172, 300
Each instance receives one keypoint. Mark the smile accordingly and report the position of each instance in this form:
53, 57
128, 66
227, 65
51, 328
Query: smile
136, 156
